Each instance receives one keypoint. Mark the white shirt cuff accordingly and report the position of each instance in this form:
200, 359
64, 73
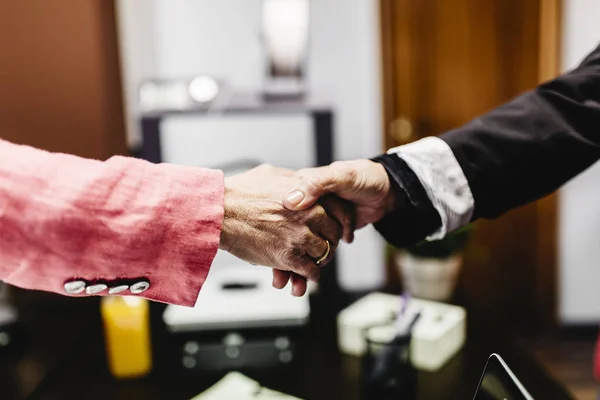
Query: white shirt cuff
432, 160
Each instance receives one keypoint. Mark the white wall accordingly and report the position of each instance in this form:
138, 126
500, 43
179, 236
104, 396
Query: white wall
137, 52
221, 38
579, 210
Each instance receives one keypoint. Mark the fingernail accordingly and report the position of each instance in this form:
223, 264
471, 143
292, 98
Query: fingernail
295, 197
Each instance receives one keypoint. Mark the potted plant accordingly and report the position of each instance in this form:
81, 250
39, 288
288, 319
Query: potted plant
429, 269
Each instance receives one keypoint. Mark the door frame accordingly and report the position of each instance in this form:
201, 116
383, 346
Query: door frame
546, 293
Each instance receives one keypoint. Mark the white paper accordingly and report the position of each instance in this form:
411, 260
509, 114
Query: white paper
237, 386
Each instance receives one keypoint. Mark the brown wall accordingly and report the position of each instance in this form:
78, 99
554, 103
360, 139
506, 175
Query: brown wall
59, 76
60, 85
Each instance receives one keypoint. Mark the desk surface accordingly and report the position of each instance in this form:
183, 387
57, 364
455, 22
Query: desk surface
65, 360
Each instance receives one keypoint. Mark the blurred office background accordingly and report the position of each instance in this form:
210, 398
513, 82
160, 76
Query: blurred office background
391, 70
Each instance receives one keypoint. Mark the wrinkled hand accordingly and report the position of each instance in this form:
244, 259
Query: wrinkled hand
365, 183
258, 229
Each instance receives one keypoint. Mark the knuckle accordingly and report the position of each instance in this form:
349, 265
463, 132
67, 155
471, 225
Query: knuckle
344, 170
301, 173
265, 167
317, 213
338, 165
290, 259
349, 175
287, 251
293, 245
306, 237
299, 242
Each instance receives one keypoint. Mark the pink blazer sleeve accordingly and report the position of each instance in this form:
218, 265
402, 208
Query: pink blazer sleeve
123, 226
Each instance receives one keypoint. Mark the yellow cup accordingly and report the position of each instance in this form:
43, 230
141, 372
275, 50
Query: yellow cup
127, 335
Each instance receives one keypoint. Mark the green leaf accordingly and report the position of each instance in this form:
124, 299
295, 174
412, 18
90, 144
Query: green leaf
451, 244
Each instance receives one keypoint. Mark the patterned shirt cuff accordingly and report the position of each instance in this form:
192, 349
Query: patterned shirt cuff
434, 163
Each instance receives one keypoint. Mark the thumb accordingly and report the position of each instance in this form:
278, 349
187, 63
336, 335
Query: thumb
315, 183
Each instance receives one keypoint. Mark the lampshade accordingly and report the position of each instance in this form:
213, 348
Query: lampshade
285, 27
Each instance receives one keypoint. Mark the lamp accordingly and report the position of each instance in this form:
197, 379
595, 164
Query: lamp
285, 32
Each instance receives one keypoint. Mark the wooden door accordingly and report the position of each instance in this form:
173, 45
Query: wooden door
446, 62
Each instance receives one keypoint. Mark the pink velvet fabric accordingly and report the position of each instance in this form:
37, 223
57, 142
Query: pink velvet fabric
63, 217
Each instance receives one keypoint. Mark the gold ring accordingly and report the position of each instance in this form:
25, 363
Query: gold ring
324, 256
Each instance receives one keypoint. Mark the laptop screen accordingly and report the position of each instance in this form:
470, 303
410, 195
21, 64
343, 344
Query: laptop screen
499, 383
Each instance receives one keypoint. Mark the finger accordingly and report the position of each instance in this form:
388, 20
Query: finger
317, 247
326, 234
305, 266
323, 225
280, 278
342, 211
316, 182
298, 285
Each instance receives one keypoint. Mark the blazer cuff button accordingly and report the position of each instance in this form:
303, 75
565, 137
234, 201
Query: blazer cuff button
118, 289
139, 287
95, 289
74, 287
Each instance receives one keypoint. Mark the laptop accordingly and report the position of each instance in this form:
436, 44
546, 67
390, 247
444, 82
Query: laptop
498, 382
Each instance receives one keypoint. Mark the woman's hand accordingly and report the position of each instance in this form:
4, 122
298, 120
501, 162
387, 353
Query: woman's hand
259, 229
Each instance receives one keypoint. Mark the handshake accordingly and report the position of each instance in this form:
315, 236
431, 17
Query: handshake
293, 221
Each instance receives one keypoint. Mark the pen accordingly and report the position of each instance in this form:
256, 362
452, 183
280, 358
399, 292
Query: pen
401, 321
388, 355
404, 300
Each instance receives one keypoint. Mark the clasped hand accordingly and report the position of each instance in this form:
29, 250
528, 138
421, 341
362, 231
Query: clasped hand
289, 220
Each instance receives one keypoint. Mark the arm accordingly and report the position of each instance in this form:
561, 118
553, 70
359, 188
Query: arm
515, 154
532, 145
512, 155
65, 219
125, 226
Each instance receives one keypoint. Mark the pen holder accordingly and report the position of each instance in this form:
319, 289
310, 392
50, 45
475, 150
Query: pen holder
387, 372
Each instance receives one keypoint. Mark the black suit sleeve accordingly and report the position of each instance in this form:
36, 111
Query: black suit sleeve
415, 217
532, 145
513, 155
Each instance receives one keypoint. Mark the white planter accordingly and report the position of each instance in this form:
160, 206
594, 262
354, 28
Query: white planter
429, 278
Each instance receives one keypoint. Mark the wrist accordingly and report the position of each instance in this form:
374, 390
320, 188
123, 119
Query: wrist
395, 195
227, 235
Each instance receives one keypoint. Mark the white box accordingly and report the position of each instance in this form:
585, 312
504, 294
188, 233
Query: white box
437, 336
258, 305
